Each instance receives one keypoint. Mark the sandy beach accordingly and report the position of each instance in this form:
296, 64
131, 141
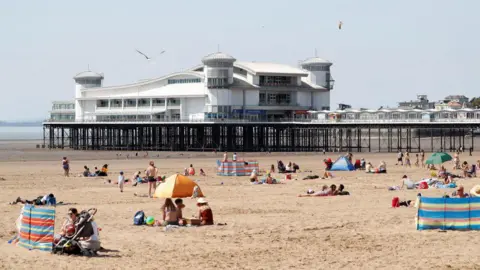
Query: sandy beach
268, 226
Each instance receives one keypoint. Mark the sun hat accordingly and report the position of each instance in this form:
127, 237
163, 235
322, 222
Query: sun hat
475, 191
202, 200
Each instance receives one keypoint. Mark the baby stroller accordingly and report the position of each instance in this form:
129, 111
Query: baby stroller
70, 242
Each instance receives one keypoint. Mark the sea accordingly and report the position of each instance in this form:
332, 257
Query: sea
21, 133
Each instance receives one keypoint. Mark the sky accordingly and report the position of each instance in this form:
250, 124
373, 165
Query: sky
387, 51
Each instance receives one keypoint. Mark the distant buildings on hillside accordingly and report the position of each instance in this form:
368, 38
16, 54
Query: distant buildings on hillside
449, 102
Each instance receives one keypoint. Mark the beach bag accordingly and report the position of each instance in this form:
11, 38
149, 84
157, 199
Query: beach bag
395, 202
423, 185
139, 218
288, 177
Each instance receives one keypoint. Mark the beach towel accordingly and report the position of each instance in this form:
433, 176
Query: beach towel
37, 228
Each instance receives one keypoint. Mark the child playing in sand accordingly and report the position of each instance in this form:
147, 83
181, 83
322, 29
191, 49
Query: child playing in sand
417, 162
121, 181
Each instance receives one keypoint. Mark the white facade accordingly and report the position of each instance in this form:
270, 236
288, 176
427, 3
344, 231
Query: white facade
221, 87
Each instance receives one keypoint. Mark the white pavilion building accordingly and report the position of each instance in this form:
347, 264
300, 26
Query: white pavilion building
220, 88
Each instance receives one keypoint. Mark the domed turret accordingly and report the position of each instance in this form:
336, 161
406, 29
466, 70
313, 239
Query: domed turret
315, 61
319, 71
89, 79
218, 70
86, 79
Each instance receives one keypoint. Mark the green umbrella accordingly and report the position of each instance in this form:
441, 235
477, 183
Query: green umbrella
438, 158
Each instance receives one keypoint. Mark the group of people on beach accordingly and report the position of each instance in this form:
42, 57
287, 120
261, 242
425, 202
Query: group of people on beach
172, 213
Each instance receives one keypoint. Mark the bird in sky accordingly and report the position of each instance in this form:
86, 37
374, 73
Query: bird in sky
340, 23
144, 55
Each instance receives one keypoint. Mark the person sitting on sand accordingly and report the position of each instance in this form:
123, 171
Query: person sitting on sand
272, 168
342, 191
104, 170
369, 168
409, 184
362, 164
205, 213
48, 199
382, 168
460, 193
191, 170
253, 176
179, 204
71, 219
295, 167
448, 179
281, 167
288, 168
97, 171
86, 171
185, 171
202, 173
269, 180
169, 212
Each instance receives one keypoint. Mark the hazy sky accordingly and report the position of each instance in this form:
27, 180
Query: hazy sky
387, 51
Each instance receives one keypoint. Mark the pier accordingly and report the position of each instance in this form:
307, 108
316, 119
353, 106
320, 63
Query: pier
241, 136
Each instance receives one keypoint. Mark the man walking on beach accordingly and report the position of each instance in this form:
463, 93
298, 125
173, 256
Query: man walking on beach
152, 172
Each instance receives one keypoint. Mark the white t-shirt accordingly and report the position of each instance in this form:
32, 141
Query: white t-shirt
234, 157
408, 183
121, 179
44, 199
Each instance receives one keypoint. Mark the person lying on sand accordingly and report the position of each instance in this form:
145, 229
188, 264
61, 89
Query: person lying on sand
41, 200
341, 190
310, 193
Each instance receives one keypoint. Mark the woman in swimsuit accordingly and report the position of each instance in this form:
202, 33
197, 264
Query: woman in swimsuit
66, 166
170, 213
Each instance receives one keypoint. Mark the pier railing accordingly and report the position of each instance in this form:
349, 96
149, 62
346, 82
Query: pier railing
281, 120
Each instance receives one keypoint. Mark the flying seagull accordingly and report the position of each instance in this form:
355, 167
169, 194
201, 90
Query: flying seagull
148, 58
340, 23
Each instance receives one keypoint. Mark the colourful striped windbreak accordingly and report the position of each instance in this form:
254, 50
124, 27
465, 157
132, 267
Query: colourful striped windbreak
37, 229
448, 213
237, 168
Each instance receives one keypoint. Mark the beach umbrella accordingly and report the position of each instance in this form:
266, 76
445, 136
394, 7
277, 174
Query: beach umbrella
438, 158
177, 186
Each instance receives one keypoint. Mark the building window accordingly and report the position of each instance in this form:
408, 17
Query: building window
173, 101
158, 102
116, 103
275, 80
103, 103
144, 102
261, 98
175, 81
130, 103
318, 68
277, 99
217, 82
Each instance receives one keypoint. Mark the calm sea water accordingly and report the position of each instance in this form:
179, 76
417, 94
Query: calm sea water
21, 133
